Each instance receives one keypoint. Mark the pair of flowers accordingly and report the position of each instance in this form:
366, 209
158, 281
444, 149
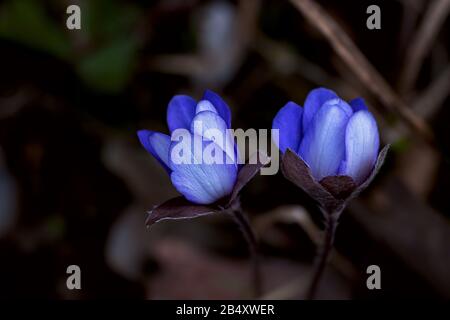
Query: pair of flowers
330, 150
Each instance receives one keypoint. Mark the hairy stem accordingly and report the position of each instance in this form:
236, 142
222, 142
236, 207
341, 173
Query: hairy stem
241, 219
323, 255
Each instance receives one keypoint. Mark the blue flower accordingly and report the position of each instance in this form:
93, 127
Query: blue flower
199, 181
333, 137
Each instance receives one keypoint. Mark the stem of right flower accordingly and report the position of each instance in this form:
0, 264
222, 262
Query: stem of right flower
331, 222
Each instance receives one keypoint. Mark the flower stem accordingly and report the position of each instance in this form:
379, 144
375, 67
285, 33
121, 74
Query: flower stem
241, 219
331, 222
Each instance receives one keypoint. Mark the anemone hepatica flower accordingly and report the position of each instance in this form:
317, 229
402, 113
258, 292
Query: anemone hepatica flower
336, 143
207, 185
201, 158
330, 150
332, 136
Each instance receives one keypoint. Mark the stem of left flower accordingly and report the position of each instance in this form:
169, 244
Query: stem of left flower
241, 219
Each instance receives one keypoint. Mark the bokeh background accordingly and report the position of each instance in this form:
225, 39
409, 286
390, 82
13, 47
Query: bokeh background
75, 184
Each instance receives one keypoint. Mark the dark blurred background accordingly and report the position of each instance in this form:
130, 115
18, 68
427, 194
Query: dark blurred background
75, 184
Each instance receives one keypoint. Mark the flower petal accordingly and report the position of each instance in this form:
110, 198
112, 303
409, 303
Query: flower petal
157, 144
289, 123
315, 99
322, 147
220, 105
361, 146
358, 104
180, 112
205, 121
200, 182
212, 127
205, 105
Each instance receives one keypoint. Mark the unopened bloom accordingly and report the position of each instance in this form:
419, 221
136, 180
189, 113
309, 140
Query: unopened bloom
201, 157
333, 137
330, 150
199, 181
